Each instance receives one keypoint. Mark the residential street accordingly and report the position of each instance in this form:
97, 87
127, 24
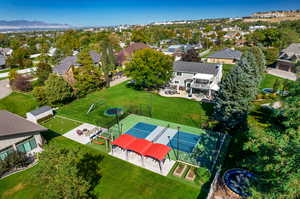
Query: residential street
23, 71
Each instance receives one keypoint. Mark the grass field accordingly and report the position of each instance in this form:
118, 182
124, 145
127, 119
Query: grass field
119, 178
18, 103
176, 110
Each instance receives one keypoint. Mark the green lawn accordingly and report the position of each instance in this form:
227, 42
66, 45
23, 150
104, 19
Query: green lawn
119, 178
269, 80
18, 103
178, 110
60, 125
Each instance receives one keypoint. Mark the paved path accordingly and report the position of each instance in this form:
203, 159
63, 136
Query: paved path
5, 89
118, 81
282, 74
23, 71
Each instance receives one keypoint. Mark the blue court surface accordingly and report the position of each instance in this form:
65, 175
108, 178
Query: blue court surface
141, 130
184, 141
177, 140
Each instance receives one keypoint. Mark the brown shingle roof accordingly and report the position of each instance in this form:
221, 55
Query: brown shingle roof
123, 54
12, 124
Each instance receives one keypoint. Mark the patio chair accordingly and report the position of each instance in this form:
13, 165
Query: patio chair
79, 132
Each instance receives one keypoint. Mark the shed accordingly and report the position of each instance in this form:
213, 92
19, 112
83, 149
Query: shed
39, 114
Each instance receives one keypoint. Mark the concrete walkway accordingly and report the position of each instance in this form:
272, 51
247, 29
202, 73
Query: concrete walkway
23, 71
118, 81
5, 89
282, 74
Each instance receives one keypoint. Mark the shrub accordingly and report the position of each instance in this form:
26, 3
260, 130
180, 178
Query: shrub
21, 83
203, 174
14, 160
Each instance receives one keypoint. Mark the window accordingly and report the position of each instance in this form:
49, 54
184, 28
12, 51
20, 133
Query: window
176, 82
27, 145
179, 73
5, 152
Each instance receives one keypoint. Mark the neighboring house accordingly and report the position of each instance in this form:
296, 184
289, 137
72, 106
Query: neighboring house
289, 57
6, 51
39, 114
2, 60
52, 51
177, 49
225, 56
196, 77
65, 66
124, 55
19, 134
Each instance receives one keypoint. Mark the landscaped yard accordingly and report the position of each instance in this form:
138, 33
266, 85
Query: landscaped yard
140, 183
18, 103
178, 110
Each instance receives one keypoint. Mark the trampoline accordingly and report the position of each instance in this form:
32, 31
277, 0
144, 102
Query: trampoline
238, 181
184, 141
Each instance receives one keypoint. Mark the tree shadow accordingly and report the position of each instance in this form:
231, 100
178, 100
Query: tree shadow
207, 107
49, 135
90, 169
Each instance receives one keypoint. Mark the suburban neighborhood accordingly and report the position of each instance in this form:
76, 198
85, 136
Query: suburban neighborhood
206, 108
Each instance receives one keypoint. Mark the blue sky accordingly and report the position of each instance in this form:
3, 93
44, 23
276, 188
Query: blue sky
113, 12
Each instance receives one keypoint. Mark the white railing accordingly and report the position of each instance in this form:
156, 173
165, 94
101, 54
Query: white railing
197, 85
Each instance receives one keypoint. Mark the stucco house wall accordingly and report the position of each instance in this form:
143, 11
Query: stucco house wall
220, 61
12, 141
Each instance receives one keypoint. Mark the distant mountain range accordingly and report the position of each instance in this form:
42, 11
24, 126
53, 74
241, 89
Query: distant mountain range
17, 24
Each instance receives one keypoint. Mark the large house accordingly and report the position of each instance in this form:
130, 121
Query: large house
289, 57
65, 66
19, 134
124, 55
196, 77
225, 56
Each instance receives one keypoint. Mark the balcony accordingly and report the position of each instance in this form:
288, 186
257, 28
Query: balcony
200, 86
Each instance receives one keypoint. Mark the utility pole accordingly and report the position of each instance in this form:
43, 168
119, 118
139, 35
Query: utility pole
178, 128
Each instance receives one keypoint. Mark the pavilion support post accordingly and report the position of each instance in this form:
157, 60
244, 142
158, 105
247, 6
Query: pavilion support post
127, 155
142, 158
160, 167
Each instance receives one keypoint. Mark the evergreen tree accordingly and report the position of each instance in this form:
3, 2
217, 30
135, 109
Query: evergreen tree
237, 89
107, 60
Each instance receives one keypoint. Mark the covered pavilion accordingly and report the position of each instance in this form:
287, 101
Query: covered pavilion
144, 148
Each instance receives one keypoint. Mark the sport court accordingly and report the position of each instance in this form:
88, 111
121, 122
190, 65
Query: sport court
183, 142
179, 140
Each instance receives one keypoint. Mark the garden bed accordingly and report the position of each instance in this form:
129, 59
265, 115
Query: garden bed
179, 170
191, 175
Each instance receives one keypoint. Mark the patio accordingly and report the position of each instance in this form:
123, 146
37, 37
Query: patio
167, 92
84, 133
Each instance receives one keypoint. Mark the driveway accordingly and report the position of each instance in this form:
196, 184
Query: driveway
5, 89
282, 74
